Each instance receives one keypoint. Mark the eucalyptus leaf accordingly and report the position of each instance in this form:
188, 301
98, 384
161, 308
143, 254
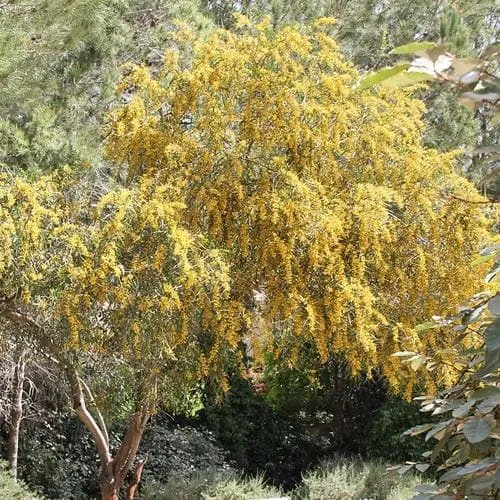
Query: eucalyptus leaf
463, 410
471, 468
494, 305
485, 393
414, 48
482, 482
493, 337
407, 78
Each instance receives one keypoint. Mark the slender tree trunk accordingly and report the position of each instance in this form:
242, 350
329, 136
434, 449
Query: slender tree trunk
16, 414
113, 469
135, 480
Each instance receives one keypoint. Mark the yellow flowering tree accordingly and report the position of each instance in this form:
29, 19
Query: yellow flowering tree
118, 278
332, 213
259, 197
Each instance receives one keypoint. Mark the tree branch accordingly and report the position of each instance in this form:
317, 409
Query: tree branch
87, 419
100, 419
130, 444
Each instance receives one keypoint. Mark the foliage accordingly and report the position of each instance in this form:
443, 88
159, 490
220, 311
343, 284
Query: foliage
261, 440
310, 215
59, 62
334, 413
210, 486
58, 459
467, 447
386, 439
343, 479
237, 213
336, 409
339, 479
11, 489
475, 80
180, 452
368, 30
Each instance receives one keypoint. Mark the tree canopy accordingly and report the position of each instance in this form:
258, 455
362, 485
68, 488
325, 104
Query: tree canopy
255, 194
322, 196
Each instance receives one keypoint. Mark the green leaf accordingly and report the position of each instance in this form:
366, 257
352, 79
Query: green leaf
422, 467
422, 327
494, 305
482, 259
381, 75
477, 429
463, 410
437, 429
485, 393
493, 336
418, 429
495, 121
491, 365
482, 482
459, 472
406, 79
414, 48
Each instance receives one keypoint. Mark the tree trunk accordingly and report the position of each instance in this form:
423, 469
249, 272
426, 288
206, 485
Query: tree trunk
134, 484
16, 414
113, 469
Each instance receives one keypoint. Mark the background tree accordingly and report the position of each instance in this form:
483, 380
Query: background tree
59, 63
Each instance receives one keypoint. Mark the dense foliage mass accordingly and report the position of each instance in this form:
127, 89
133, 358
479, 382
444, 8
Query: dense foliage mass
260, 217
328, 206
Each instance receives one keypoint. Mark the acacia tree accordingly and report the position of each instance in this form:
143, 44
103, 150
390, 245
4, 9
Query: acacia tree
118, 279
256, 177
321, 194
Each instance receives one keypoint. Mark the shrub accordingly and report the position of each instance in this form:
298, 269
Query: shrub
209, 486
386, 440
11, 490
263, 440
344, 479
182, 451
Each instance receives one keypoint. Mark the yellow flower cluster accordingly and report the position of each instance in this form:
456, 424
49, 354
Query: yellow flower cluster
266, 200
321, 196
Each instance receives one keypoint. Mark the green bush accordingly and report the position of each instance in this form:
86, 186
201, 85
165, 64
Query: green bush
386, 439
209, 486
344, 479
181, 451
261, 439
11, 490
58, 459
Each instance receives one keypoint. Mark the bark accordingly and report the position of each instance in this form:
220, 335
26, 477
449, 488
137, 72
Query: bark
16, 414
135, 480
113, 469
